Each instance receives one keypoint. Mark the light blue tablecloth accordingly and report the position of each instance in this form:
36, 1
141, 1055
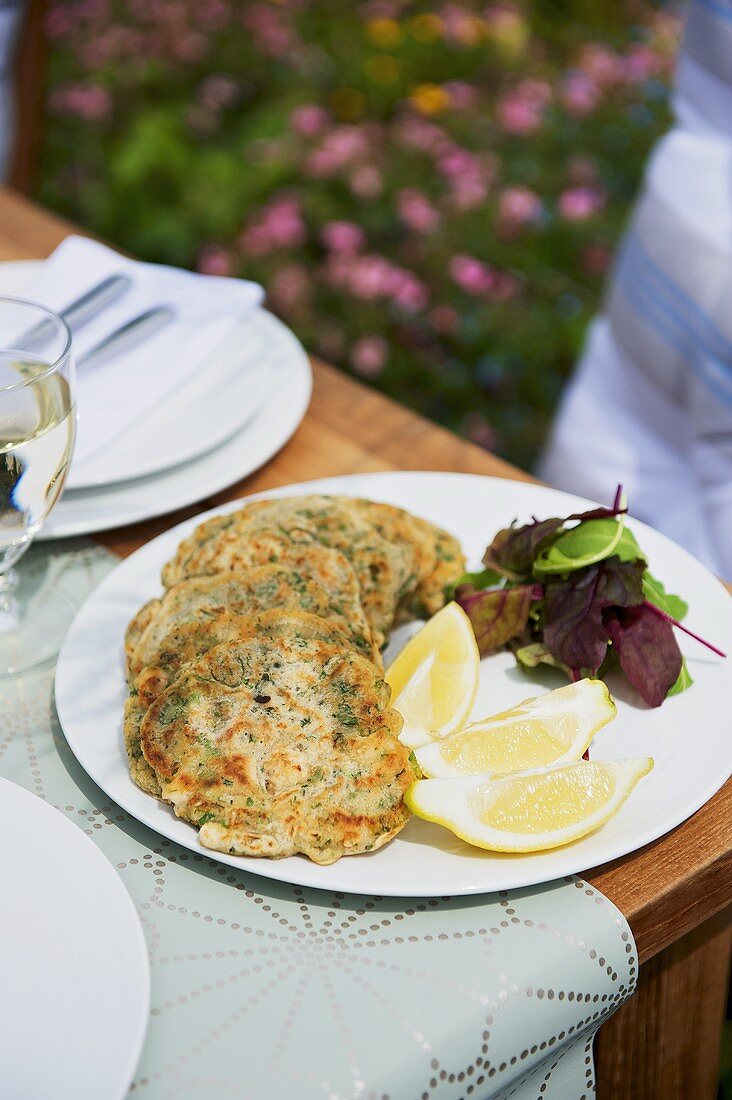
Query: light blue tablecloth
262, 990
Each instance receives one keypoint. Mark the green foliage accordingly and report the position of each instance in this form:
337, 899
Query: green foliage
481, 158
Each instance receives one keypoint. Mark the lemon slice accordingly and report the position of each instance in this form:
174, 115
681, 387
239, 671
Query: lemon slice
554, 728
435, 677
528, 811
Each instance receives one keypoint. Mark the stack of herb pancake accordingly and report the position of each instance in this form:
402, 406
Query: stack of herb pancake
257, 704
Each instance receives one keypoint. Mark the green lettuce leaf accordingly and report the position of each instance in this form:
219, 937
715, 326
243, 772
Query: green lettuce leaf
683, 680
656, 594
589, 542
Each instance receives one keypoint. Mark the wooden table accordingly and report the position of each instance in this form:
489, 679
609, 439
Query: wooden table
663, 1044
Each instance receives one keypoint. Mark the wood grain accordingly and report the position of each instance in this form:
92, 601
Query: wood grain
666, 889
30, 81
663, 1044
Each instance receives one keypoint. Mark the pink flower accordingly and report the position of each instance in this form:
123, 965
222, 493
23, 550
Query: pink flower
420, 133
467, 193
407, 291
521, 110
519, 206
640, 64
270, 29
217, 90
366, 182
579, 203
339, 148
471, 275
289, 288
308, 120
462, 95
279, 225
374, 278
417, 211
343, 236
517, 116
580, 94
87, 101
458, 162
214, 260
368, 355
601, 64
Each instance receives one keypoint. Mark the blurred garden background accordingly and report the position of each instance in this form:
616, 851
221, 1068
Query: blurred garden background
430, 194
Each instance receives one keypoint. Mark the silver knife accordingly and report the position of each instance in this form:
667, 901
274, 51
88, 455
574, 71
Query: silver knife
81, 310
122, 339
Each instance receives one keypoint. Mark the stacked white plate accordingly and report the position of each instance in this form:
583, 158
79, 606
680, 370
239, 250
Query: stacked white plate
220, 426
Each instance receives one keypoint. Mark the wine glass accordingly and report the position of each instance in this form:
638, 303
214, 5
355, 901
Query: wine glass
37, 432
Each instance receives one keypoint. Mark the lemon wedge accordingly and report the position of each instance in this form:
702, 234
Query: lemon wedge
554, 728
528, 811
435, 677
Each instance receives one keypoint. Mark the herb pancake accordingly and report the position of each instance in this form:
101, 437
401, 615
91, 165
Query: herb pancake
190, 641
431, 592
135, 630
325, 585
273, 749
385, 569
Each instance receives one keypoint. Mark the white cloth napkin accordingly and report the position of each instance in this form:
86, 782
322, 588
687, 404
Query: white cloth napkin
112, 395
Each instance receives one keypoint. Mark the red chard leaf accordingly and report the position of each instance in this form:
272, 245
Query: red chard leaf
647, 649
497, 614
573, 628
513, 550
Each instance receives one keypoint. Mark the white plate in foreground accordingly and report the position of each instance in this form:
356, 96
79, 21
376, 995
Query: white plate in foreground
74, 965
207, 408
687, 736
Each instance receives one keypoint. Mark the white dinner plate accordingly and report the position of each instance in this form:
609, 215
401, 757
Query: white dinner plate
286, 370
205, 410
73, 960
688, 736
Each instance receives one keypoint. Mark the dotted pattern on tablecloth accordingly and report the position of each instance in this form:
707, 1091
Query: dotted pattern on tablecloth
262, 989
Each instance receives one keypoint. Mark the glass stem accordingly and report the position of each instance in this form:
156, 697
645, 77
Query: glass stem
9, 612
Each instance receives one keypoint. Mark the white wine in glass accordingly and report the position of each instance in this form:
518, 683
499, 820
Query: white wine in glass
37, 431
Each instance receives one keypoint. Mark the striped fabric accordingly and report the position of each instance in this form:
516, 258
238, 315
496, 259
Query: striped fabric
10, 11
650, 404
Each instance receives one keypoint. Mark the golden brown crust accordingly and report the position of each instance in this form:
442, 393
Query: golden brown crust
257, 703
281, 749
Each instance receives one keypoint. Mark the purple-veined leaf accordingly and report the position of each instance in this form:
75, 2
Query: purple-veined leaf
647, 649
573, 628
497, 614
514, 549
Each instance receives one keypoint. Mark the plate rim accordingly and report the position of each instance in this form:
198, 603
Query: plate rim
141, 984
299, 395
27, 268
303, 870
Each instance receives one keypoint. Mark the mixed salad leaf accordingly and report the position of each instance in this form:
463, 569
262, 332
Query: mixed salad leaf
576, 593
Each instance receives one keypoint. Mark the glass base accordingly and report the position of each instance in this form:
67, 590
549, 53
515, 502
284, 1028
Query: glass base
33, 627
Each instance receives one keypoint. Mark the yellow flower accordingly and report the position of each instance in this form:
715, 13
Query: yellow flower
510, 33
385, 33
382, 69
347, 103
426, 27
430, 99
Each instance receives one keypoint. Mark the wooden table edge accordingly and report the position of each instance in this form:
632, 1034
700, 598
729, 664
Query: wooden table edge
659, 909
